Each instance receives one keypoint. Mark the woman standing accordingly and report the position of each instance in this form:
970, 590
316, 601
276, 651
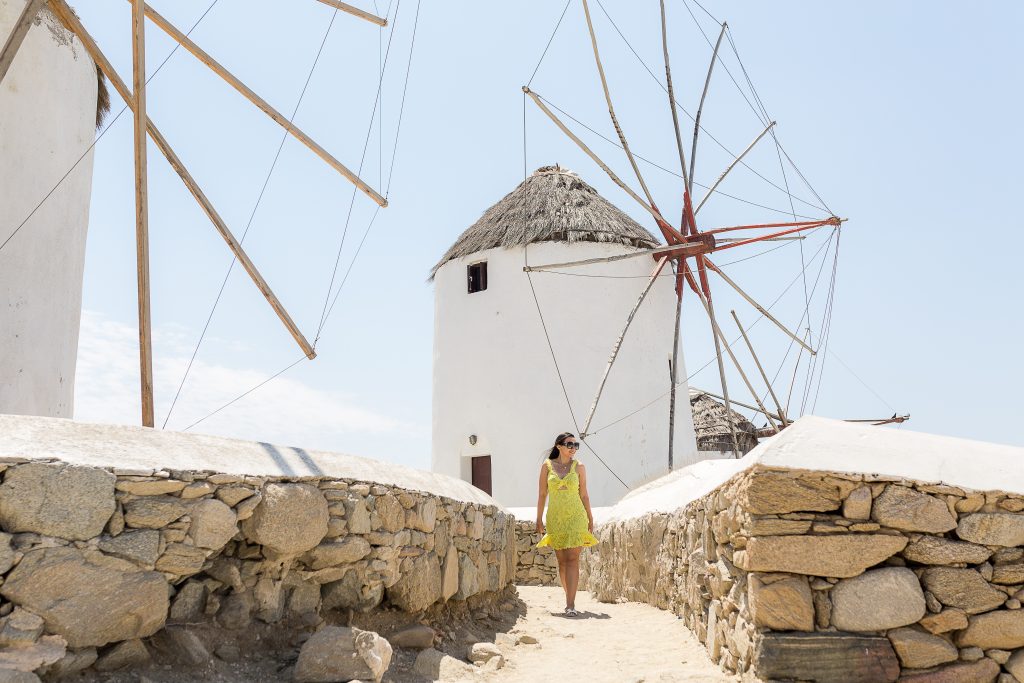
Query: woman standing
570, 523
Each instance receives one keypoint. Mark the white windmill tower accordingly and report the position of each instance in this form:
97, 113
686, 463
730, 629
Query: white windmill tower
498, 399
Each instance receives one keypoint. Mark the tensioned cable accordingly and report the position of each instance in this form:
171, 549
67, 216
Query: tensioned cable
252, 216
690, 116
548, 46
239, 398
103, 132
405, 88
830, 306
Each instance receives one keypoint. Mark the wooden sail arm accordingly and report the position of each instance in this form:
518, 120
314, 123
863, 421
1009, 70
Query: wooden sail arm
761, 238
689, 248
355, 11
895, 419
700, 109
806, 225
17, 35
731, 166
262, 104
69, 19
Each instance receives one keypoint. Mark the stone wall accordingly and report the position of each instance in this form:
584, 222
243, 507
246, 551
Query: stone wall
100, 565
819, 576
534, 566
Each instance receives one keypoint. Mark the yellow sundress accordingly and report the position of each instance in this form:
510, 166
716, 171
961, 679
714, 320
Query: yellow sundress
566, 520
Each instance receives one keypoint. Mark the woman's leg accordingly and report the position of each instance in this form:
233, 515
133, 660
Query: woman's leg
560, 556
572, 575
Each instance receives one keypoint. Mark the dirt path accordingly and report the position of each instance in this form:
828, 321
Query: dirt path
609, 643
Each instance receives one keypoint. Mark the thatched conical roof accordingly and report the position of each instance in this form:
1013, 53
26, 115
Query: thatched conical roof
711, 425
552, 205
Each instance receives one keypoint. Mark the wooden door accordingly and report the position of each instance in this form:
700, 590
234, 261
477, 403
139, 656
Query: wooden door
482, 473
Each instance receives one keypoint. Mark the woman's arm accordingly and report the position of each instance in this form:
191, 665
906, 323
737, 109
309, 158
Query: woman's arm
541, 497
584, 495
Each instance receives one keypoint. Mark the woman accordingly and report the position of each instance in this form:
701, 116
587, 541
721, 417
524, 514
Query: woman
570, 523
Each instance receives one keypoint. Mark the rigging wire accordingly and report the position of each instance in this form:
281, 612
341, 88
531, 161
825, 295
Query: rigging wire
548, 46
252, 216
828, 331
102, 133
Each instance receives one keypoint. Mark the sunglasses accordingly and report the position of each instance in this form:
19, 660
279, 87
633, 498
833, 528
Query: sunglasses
572, 445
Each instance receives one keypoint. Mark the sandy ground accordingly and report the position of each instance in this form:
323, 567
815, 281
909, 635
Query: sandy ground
608, 643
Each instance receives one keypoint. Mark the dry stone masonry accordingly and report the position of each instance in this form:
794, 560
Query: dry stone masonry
804, 575
534, 566
100, 567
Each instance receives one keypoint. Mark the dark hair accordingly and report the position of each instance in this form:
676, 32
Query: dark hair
558, 442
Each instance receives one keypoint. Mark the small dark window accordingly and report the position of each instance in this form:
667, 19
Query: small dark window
477, 275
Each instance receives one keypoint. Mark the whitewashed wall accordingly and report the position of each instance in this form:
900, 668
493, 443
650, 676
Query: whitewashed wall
47, 120
494, 376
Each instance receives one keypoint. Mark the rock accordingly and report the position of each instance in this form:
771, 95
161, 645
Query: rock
482, 652
336, 653
935, 550
154, 512
13, 676
248, 506
877, 600
290, 519
228, 652
181, 559
141, 547
827, 657
469, 581
418, 636
418, 587
945, 621
87, 598
965, 589
1003, 629
233, 495
780, 603
919, 650
66, 501
128, 654
213, 524
904, 508
189, 604
183, 644
1008, 574
197, 490
771, 526
6, 553
971, 654
236, 611
390, 513
154, 487
71, 663
998, 656
304, 602
768, 492
450, 573
346, 551
858, 504
20, 628
983, 671
351, 592
45, 651
437, 666
837, 556
1015, 665
426, 515
526, 639
992, 529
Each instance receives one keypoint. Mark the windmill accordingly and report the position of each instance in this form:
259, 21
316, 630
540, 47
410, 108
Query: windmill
135, 99
687, 241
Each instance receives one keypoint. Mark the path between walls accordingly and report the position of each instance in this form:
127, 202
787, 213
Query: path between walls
611, 643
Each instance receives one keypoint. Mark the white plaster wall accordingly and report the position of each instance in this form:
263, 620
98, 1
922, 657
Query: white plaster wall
47, 119
494, 376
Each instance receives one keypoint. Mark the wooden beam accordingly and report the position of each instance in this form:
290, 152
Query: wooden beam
760, 368
142, 210
355, 11
18, 33
675, 250
65, 15
700, 108
262, 104
730, 166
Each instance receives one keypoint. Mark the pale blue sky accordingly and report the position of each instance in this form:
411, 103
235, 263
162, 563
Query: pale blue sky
905, 117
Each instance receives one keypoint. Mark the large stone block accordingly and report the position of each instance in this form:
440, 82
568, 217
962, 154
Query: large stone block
469, 579
778, 492
347, 550
992, 529
154, 512
87, 598
1003, 630
780, 602
904, 508
450, 573
936, 550
878, 600
337, 653
353, 591
965, 589
418, 587
290, 519
832, 657
66, 501
213, 524
981, 671
919, 650
141, 547
840, 556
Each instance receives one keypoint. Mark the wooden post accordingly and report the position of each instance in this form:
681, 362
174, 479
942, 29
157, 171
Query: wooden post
675, 379
355, 11
18, 33
731, 166
672, 105
142, 209
262, 104
764, 375
65, 14
700, 108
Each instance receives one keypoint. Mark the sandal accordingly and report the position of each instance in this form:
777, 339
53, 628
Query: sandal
571, 612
